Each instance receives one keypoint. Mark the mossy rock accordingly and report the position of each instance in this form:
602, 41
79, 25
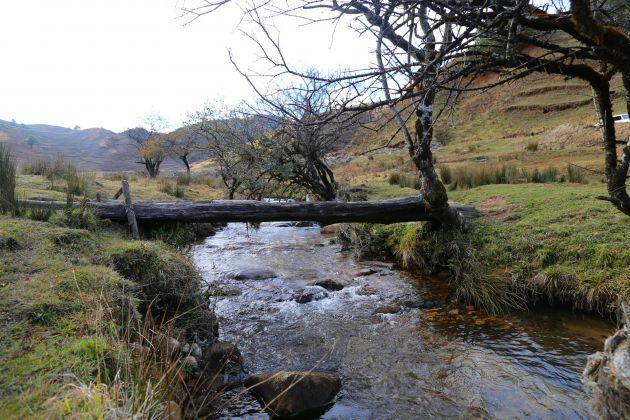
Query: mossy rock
169, 284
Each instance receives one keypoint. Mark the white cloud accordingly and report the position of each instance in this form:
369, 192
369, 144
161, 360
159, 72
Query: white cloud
110, 63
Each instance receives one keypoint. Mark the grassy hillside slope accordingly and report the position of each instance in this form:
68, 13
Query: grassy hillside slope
549, 241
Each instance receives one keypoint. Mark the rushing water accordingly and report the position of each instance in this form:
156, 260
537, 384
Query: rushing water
415, 363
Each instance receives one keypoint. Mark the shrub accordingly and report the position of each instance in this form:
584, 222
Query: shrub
532, 146
183, 179
172, 188
80, 217
170, 286
178, 234
575, 175
445, 174
474, 176
394, 178
549, 174
75, 182
405, 181
8, 201
430, 251
40, 167
40, 215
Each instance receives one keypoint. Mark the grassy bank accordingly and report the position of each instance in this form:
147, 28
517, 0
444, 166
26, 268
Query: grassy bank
85, 315
534, 242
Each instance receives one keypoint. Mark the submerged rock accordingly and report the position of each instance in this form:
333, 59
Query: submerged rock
309, 294
222, 366
387, 309
328, 284
608, 374
222, 356
365, 272
195, 350
301, 391
254, 274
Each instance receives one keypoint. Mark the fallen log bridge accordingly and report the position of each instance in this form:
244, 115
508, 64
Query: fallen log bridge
326, 212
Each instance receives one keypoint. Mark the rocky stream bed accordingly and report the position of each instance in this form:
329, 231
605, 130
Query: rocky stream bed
292, 301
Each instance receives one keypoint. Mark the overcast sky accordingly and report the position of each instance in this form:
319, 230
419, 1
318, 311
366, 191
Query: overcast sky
111, 63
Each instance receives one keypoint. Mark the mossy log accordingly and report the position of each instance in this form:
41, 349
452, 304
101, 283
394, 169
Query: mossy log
326, 212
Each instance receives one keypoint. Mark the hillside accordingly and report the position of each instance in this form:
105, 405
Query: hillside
92, 149
537, 122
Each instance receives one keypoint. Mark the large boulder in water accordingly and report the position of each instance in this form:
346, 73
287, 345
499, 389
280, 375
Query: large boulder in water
608, 374
328, 284
254, 274
288, 394
309, 294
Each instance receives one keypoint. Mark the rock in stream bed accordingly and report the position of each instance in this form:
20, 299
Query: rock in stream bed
254, 274
301, 391
309, 294
608, 374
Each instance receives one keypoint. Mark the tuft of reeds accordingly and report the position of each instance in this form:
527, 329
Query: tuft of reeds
532, 146
405, 181
8, 167
172, 188
575, 175
465, 177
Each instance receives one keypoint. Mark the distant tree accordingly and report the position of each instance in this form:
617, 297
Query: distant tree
232, 140
183, 143
149, 143
307, 127
13, 121
31, 141
76, 127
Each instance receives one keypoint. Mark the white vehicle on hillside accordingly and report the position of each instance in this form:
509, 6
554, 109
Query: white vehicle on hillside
621, 118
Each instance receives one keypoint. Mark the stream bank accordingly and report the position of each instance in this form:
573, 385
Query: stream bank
399, 351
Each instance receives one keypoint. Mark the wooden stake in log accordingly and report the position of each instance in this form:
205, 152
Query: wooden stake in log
118, 193
131, 215
410, 209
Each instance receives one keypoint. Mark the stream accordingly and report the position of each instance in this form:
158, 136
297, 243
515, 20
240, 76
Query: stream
423, 360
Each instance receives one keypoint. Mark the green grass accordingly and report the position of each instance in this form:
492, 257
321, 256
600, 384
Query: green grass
534, 242
71, 302
106, 185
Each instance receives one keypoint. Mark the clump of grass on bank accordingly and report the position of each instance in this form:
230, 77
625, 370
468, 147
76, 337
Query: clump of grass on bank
85, 314
404, 181
537, 242
416, 247
8, 201
471, 176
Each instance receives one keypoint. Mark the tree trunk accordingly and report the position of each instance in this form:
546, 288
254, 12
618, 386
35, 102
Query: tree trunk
326, 212
616, 172
184, 159
433, 190
153, 167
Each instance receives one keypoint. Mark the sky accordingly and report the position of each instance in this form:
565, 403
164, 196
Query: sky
112, 63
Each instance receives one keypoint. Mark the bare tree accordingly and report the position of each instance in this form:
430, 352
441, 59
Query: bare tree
302, 134
231, 141
183, 143
413, 48
149, 144
428, 46
580, 39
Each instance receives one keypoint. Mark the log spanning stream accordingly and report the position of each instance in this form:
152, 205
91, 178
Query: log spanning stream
417, 360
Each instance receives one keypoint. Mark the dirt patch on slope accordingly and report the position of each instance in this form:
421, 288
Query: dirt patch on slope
570, 135
497, 209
